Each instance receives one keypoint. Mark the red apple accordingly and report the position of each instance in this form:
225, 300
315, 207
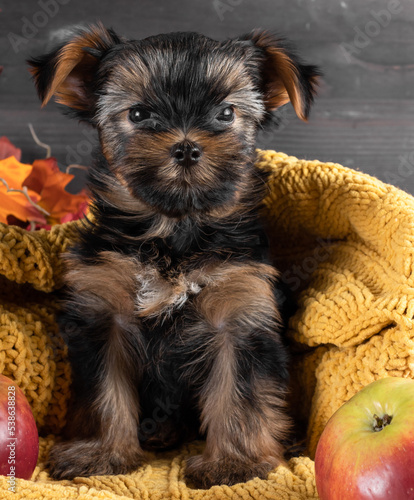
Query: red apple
19, 441
366, 450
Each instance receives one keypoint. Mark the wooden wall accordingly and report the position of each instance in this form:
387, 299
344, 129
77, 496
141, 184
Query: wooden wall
363, 117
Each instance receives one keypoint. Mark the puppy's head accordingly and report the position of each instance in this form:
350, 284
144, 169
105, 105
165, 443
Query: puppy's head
177, 114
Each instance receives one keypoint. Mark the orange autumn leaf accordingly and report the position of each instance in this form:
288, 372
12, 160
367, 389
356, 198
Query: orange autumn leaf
13, 203
47, 180
16, 205
35, 194
14, 172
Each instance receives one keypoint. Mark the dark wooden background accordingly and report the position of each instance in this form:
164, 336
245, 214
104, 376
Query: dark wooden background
363, 117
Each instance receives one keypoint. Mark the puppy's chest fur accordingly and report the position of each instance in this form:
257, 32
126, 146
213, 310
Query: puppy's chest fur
153, 279
166, 283
168, 273
159, 294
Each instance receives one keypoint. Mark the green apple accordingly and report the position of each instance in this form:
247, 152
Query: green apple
366, 450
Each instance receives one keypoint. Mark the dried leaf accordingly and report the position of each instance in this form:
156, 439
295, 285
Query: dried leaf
8, 149
35, 194
47, 180
13, 201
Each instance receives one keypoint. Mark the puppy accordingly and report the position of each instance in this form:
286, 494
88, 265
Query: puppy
171, 313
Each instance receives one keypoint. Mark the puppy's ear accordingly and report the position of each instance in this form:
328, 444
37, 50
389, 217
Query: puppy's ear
283, 76
69, 72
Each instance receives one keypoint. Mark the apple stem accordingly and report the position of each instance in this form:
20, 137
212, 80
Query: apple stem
381, 422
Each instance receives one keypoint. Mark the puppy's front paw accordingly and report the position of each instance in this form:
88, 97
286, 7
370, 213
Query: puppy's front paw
89, 458
203, 474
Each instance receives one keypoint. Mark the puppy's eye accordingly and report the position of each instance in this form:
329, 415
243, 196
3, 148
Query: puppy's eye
137, 115
226, 115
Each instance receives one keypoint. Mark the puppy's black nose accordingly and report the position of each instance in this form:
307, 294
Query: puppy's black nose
186, 153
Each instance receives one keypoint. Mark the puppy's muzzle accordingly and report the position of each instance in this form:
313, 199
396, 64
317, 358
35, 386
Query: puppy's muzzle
186, 153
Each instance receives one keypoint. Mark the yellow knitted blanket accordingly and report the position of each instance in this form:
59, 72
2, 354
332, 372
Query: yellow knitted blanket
343, 242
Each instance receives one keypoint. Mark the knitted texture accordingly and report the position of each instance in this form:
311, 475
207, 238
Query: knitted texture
342, 240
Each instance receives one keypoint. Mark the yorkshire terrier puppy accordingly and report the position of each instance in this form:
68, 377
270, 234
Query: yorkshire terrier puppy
175, 325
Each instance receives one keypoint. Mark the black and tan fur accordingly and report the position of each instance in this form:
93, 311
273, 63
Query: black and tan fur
170, 297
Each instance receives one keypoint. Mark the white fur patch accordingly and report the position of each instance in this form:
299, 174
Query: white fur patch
156, 295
